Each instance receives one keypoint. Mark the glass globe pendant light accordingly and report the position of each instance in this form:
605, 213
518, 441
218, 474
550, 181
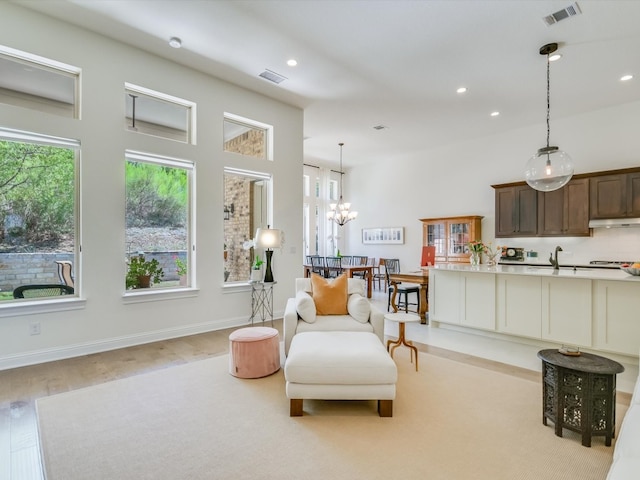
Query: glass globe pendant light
550, 168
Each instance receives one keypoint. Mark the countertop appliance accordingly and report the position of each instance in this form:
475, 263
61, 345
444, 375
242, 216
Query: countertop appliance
512, 254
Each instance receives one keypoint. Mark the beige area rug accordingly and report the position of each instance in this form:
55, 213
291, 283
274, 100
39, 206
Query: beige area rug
450, 421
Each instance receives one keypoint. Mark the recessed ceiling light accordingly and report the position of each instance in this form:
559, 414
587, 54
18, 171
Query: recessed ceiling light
495, 114
462, 90
175, 42
624, 78
292, 62
554, 57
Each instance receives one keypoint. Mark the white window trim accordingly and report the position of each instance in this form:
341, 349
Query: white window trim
154, 294
268, 129
191, 106
52, 66
50, 304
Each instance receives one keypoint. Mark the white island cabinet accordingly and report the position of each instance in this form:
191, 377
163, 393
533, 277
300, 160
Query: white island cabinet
596, 309
519, 302
566, 311
462, 298
616, 308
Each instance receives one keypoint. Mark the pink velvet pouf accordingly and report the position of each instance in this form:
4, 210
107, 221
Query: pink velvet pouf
254, 352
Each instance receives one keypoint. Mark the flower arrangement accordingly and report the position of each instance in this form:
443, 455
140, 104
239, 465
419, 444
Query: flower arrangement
492, 253
181, 266
476, 246
257, 263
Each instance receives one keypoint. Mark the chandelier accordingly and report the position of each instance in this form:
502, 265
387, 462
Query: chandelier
340, 211
550, 168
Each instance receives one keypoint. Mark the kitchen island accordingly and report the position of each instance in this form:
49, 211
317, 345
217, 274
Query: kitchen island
591, 308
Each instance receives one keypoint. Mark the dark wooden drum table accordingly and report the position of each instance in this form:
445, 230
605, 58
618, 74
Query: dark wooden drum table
579, 393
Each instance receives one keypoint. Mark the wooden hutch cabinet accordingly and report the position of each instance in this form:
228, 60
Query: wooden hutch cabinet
451, 236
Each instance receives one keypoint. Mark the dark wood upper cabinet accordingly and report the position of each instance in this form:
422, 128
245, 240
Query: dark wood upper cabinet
516, 211
615, 196
522, 211
565, 212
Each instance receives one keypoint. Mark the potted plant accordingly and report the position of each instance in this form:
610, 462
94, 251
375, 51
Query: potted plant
142, 272
256, 270
181, 270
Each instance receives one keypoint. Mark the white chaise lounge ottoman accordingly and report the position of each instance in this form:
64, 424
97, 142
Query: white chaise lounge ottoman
340, 366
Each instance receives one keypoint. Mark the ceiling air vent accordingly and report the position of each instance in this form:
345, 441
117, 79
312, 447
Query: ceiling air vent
272, 76
563, 14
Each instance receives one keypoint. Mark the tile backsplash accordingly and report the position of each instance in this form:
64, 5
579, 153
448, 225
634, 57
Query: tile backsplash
617, 244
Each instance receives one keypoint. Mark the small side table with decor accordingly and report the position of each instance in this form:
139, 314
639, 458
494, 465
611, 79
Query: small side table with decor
579, 393
262, 300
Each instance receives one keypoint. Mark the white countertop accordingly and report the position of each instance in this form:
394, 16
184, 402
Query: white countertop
543, 271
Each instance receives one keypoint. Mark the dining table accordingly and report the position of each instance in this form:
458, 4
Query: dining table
420, 277
349, 270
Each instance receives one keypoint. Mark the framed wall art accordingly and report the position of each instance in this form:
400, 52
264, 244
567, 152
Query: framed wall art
383, 235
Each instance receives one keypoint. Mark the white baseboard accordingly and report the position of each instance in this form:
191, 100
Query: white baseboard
77, 350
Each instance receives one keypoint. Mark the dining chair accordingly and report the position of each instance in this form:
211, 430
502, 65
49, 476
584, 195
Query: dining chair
359, 261
43, 290
346, 259
334, 266
392, 265
379, 274
317, 265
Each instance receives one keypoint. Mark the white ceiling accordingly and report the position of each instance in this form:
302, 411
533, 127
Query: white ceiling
397, 63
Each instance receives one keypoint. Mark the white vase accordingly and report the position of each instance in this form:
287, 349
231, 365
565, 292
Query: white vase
256, 275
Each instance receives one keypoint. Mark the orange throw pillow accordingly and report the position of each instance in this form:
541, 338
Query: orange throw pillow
330, 297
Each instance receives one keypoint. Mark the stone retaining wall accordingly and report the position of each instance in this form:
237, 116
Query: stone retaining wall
36, 268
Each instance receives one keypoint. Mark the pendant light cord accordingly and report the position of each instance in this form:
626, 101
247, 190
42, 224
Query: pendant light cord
342, 173
548, 101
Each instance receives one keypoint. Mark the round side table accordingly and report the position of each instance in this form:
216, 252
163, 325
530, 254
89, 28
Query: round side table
402, 318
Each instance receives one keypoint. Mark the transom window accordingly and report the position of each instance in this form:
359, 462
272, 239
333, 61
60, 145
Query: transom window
158, 114
247, 137
39, 83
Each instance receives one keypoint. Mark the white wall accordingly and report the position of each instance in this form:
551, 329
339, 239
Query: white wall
107, 320
456, 180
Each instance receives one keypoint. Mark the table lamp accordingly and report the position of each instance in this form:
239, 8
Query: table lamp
268, 238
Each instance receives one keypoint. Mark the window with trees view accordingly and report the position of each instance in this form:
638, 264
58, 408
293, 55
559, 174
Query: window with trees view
38, 227
158, 221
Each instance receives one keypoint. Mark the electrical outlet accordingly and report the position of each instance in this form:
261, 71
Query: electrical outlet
34, 328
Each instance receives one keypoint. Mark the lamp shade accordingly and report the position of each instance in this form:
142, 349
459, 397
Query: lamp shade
268, 238
549, 169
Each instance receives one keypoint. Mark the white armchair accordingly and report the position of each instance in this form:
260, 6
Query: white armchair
369, 318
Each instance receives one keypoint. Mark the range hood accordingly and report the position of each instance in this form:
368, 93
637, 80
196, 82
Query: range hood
615, 223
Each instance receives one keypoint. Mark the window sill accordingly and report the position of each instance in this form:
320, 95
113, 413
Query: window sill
31, 307
236, 287
153, 295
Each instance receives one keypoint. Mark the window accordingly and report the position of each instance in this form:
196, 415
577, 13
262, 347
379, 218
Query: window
247, 137
247, 198
38, 212
159, 220
38, 83
158, 114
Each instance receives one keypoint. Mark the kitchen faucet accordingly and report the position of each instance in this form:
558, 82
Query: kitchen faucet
554, 259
